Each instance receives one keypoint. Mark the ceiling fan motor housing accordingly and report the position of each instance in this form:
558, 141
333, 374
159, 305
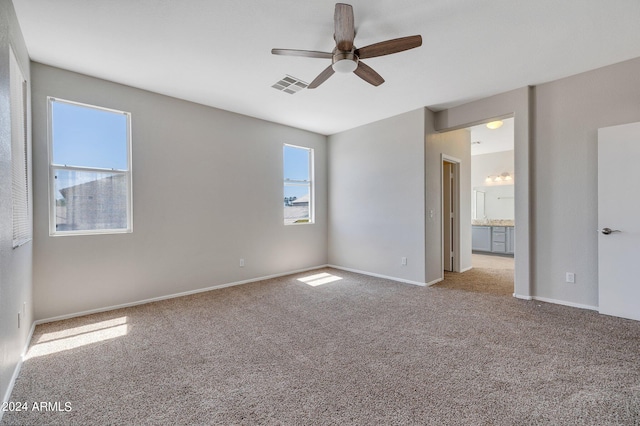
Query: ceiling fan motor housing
344, 61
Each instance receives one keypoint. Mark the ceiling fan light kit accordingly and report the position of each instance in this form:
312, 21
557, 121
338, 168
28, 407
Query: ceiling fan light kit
346, 58
344, 62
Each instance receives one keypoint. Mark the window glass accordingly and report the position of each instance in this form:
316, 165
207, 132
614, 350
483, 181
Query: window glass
298, 185
89, 137
90, 173
90, 200
296, 161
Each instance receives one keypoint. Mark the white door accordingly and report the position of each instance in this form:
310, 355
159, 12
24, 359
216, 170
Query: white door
447, 216
619, 220
450, 212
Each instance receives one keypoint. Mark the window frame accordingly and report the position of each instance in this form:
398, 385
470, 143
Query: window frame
293, 182
55, 167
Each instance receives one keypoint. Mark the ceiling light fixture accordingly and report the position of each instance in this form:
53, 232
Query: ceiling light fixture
494, 124
344, 62
501, 179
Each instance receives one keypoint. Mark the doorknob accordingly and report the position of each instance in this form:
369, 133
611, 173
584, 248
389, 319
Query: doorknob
607, 231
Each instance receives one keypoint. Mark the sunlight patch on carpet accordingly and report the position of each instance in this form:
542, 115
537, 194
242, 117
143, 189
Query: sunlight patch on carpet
319, 279
72, 338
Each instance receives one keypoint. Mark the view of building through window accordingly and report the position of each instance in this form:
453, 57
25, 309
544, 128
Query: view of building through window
90, 169
298, 187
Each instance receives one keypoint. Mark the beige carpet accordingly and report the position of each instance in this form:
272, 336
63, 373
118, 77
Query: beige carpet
490, 274
490, 261
334, 351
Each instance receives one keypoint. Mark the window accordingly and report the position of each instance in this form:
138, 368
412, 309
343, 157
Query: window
90, 169
298, 185
22, 230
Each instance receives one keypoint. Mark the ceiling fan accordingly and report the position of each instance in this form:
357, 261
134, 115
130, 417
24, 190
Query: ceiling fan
346, 57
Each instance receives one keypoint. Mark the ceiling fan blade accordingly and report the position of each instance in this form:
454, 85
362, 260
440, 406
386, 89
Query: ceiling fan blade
305, 53
324, 75
344, 26
388, 47
367, 73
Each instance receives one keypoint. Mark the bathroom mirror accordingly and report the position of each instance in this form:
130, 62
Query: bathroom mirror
478, 208
494, 202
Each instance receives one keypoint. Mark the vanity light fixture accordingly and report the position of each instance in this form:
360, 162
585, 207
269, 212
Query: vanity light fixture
494, 124
503, 177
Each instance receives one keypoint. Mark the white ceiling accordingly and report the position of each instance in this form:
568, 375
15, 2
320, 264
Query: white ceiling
496, 140
217, 53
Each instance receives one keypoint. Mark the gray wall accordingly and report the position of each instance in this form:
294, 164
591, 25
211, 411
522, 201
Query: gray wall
207, 191
15, 264
384, 179
376, 198
568, 114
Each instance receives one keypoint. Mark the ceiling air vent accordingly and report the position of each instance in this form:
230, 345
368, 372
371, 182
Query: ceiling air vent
290, 85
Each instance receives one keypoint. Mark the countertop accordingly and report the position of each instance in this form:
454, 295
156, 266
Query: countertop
493, 222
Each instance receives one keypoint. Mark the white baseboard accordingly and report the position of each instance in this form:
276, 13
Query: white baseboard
556, 302
466, 269
523, 297
373, 274
173, 296
562, 302
430, 283
16, 371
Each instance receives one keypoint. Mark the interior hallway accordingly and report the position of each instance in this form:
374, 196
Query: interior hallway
490, 274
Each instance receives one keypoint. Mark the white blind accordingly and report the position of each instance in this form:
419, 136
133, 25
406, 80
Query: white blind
20, 183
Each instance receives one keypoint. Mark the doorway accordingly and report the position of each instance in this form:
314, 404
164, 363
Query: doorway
493, 221
492, 206
450, 168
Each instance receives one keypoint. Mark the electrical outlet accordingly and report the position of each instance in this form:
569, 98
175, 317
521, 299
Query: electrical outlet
242, 263
571, 277
404, 261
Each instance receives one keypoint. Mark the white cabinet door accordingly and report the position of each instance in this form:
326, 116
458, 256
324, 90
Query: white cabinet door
619, 211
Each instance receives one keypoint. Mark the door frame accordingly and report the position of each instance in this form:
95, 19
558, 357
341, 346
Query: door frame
521, 272
455, 168
519, 104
